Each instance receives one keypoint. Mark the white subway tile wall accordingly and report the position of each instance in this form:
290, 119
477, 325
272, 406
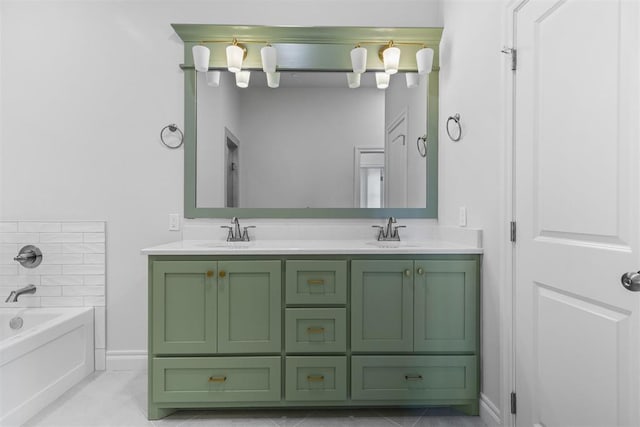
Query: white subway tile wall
72, 273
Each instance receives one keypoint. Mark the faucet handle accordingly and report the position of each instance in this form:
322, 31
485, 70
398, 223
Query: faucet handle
245, 233
380, 228
230, 231
395, 230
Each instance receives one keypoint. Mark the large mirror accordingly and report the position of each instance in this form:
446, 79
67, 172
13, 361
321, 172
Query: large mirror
311, 143
312, 147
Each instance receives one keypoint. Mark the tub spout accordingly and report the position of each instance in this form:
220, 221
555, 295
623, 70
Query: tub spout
13, 296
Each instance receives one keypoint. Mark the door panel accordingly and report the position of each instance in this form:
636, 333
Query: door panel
445, 306
382, 305
184, 307
249, 305
576, 204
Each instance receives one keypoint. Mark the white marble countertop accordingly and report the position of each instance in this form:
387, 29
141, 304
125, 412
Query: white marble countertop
308, 247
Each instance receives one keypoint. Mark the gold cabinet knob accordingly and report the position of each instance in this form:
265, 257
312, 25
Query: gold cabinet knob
210, 273
420, 271
407, 272
222, 273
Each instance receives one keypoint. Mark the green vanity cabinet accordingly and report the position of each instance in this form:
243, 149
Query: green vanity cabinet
266, 331
421, 305
382, 305
202, 307
445, 306
184, 307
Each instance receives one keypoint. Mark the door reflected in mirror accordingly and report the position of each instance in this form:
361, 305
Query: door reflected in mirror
311, 143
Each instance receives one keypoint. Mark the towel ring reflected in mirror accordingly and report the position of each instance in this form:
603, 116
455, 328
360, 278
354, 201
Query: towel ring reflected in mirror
421, 143
456, 119
175, 130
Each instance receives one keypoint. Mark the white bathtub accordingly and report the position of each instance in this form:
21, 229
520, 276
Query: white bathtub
50, 353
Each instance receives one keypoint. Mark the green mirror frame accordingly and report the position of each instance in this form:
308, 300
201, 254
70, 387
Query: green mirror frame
325, 49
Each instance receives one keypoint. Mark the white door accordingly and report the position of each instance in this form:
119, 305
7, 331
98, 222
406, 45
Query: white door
396, 163
577, 188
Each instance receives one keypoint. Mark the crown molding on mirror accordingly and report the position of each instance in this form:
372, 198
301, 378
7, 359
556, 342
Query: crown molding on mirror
325, 49
307, 48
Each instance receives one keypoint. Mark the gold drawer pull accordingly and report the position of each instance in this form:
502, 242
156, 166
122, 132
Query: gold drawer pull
315, 282
217, 379
315, 378
315, 330
413, 377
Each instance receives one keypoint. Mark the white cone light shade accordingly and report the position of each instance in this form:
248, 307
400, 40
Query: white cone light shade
413, 80
201, 56
235, 54
213, 78
242, 78
269, 58
353, 80
359, 59
424, 59
273, 80
391, 59
382, 80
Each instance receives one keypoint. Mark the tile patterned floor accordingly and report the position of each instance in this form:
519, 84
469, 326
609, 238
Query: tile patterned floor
118, 398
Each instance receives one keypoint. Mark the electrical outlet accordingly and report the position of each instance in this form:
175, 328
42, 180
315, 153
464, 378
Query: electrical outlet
174, 222
462, 217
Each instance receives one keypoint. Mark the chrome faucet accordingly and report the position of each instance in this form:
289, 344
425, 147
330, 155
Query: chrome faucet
390, 232
235, 235
13, 296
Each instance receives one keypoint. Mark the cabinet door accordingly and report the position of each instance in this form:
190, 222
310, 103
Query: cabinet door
250, 306
446, 306
382, 306
184, 307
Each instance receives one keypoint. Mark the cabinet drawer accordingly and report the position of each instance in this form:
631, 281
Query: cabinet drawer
316, 282
316, 378
316, 330
216, 379
413, 377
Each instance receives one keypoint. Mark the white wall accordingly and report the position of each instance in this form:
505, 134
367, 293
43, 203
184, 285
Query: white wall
298, 151
86, 87
471, 171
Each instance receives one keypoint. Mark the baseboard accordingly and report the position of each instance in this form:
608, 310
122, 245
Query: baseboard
489, 412
129, 360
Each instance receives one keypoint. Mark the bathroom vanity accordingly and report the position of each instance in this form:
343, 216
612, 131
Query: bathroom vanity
312, 324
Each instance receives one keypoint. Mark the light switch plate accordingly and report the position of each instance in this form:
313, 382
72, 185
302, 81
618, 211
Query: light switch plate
462, 217
174, 222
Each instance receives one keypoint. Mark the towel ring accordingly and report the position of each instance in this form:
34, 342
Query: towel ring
456, 120
421, 143
173, 128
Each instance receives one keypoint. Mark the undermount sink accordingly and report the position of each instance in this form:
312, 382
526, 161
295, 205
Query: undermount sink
230, 245
392, 244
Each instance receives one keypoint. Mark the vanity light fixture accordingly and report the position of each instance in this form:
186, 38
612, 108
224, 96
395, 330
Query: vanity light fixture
242, 78
201, 56
353, 80
359, 59
273, 80
235, 55
390, 57
269, 57
413, 80
424, 59
382, 80
213, 78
